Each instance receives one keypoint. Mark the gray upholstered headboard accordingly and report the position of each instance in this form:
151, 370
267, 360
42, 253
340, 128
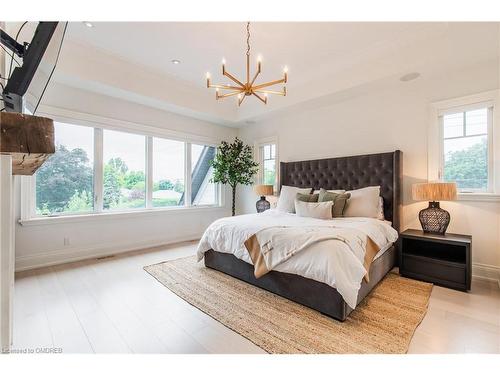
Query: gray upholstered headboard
352, 172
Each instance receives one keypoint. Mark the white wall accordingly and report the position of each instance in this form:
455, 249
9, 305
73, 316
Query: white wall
385, 116
44, 244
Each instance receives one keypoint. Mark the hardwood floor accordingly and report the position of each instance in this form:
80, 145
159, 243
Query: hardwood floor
112, 305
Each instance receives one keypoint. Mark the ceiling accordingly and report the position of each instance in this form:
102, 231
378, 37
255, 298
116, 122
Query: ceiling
322, 58
201, 46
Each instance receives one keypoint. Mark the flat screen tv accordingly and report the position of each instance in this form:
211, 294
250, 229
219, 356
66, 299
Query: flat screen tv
27, 83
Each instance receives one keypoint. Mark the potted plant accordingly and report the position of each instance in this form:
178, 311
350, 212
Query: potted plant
233, 164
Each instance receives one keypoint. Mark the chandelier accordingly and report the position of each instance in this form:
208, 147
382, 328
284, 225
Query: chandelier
242, 90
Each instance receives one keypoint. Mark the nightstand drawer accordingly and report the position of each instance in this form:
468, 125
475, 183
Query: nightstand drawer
434, 270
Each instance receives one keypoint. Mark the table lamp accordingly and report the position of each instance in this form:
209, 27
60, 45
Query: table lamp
263, 190
433, 218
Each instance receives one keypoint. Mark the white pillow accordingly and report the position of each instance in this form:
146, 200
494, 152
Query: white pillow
363, 202
317, 210
287, 197
331, 191
380, 210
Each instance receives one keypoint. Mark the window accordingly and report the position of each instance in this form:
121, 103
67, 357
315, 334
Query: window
203, 192
168, 172
64, 183
466, 148
124, 169
96, 170
267, 163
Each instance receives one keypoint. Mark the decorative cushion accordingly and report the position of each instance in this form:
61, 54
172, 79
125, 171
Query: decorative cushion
338, 200
286, 201
319, 210
363, 202
307, 197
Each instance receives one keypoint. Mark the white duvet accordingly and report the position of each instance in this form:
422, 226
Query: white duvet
331, 262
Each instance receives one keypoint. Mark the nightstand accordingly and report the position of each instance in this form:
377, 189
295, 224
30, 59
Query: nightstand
440, 259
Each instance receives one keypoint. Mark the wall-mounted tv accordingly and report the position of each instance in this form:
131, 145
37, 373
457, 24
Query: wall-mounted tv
27, 83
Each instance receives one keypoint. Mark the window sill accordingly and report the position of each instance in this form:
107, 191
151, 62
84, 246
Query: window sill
478, 197
67, 219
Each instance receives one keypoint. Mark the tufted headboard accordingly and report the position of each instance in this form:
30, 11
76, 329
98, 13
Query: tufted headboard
349, 173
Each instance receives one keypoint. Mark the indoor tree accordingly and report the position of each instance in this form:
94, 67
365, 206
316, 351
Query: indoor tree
233, 164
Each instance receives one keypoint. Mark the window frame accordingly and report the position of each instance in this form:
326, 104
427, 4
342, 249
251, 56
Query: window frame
490, 100
98, 123
259, 158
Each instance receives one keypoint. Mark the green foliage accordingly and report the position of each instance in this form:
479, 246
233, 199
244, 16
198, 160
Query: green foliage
269, 177
133, 178
65, 184
165, 185
80, 202
165, 202
63, 175
233, 164
118, 165
179, 186
112, 179
469, 167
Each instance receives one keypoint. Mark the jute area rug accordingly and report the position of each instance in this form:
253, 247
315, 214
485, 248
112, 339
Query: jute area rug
384, 322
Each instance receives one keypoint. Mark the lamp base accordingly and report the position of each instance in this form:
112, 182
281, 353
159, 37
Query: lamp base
434, 219
262, 205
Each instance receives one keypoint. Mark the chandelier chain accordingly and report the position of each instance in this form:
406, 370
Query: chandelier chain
248, 38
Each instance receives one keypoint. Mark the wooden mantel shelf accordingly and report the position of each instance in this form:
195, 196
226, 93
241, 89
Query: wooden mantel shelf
28, 139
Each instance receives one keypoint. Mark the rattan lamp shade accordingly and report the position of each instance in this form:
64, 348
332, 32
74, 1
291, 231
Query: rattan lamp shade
263, 190
434, 191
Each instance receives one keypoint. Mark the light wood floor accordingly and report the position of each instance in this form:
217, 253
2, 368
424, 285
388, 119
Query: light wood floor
113, 305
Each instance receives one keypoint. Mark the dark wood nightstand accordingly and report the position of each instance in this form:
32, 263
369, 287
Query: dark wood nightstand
440, 259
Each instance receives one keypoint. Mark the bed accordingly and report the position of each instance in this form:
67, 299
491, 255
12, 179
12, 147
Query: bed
352, 172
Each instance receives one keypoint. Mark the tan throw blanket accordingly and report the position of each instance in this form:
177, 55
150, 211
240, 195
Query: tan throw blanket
273, 246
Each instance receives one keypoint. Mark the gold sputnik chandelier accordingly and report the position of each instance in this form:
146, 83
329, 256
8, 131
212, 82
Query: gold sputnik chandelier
242, 90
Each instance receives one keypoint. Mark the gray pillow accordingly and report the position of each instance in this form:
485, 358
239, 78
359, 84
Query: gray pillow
307, 197
339, 201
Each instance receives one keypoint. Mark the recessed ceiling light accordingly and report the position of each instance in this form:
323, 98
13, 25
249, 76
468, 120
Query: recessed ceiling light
88, 24
409, 77
175, 61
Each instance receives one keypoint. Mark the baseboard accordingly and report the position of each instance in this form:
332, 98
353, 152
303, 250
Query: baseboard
486, 272
52, 258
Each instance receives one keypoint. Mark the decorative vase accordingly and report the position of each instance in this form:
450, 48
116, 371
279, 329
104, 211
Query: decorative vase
434, 219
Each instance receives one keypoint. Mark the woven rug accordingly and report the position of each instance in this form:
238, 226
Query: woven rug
384, 322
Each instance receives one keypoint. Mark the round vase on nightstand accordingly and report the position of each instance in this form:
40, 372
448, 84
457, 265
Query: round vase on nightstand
263, 190
262, 204
434, 219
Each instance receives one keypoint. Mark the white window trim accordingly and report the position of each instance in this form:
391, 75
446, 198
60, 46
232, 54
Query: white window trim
435, 140
259, 158
98, 123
